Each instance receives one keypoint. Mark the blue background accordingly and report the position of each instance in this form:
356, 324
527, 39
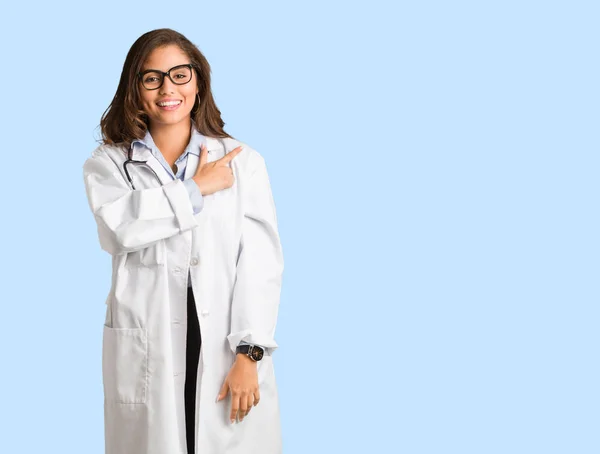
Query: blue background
435, 171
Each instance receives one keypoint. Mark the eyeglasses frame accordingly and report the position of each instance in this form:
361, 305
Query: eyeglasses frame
168, 73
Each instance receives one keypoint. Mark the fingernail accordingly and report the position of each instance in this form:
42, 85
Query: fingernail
232, 421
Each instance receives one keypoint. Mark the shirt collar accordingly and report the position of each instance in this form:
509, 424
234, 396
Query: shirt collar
196, 139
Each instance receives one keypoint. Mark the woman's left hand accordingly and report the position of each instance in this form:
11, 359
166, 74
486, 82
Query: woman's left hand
242, 381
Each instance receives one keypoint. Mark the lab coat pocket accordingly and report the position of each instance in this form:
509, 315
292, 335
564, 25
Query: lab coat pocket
219, 204
149, 256
216, 198
125, 365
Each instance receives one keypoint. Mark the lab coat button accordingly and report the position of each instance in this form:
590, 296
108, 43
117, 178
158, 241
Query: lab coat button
205, 312
194, 261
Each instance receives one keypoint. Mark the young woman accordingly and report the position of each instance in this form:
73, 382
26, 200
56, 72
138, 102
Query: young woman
187, 214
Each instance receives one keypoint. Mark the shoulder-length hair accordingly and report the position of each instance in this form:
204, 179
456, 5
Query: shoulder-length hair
123, 121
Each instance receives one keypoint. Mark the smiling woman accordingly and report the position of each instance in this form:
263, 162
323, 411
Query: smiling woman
143, 84
195, 249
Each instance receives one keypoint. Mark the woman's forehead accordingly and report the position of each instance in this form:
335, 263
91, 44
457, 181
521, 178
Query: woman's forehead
165, 58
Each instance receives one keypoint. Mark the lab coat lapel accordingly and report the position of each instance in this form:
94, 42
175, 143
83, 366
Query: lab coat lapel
143, 154
191, 166
162, 173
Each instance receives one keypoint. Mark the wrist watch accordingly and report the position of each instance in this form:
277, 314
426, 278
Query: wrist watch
254, 352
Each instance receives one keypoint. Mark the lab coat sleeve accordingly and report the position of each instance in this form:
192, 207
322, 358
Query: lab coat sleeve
248, 343
257, 288
129, 220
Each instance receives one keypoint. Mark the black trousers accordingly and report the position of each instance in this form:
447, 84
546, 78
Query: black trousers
193, 344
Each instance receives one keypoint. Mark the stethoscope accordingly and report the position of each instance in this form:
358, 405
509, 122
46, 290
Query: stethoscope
132, 161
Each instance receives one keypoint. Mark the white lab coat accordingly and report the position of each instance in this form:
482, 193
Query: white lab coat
233, 250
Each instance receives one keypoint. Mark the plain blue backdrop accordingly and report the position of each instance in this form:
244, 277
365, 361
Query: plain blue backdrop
435, 171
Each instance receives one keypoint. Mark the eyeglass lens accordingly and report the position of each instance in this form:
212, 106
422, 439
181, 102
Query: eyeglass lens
179, 75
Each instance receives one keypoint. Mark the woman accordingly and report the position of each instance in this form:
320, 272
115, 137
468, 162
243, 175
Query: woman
187, 214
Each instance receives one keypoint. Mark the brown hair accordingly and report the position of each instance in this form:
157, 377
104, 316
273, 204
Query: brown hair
123, 121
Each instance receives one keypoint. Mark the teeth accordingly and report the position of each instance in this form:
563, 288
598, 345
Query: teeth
170, 103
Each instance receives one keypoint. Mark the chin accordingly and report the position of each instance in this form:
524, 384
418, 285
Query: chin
171, 119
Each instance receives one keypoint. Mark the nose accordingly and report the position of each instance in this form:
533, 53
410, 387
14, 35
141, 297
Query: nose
168, 86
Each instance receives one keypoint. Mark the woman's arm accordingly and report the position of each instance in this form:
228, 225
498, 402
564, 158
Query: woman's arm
130, 220
260, 265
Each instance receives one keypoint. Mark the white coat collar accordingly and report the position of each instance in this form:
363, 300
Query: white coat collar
141, 152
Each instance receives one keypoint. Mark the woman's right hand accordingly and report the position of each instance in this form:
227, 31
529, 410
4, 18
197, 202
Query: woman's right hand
214, 176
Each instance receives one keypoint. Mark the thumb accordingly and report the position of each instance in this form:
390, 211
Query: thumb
203, 156
223, 392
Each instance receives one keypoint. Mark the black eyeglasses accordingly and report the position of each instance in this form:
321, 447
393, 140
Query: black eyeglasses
152, 79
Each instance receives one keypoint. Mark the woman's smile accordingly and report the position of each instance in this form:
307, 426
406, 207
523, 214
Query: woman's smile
170, 105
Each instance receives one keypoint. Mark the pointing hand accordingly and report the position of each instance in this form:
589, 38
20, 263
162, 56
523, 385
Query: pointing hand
214, 176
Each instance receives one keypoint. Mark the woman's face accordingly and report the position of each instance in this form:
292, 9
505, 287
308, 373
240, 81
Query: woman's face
163, 59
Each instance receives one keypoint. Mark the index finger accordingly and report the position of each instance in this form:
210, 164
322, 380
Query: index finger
232, 154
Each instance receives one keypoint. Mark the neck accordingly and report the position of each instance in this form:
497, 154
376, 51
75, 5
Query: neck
171, 139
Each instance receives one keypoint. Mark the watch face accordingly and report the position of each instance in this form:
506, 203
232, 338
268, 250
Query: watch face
257, 353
